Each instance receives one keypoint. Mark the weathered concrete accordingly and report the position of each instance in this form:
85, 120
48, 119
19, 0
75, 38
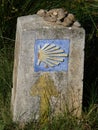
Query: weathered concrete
64, 87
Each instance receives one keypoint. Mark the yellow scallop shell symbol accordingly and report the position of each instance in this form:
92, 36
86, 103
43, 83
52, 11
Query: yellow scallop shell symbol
51, 54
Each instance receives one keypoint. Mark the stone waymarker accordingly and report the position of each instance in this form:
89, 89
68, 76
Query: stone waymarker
48, 69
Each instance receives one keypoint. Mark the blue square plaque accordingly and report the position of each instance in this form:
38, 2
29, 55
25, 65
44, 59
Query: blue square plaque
51, 55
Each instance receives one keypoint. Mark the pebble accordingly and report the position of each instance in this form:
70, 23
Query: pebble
77, 24
42, 12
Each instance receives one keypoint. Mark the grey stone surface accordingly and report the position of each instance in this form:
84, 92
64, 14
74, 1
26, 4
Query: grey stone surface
25, 107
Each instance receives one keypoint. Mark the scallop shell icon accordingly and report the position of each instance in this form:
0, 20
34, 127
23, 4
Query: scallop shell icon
51, 55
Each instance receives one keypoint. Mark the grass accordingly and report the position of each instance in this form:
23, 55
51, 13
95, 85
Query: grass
86, 11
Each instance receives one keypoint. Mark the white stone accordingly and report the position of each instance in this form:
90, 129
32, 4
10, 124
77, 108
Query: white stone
25, 107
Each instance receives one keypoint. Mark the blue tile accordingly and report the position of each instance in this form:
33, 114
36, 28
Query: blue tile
63, 44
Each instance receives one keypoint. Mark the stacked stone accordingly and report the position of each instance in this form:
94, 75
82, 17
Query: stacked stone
59, 16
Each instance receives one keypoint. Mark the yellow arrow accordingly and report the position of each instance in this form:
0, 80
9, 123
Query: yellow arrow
45, 88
